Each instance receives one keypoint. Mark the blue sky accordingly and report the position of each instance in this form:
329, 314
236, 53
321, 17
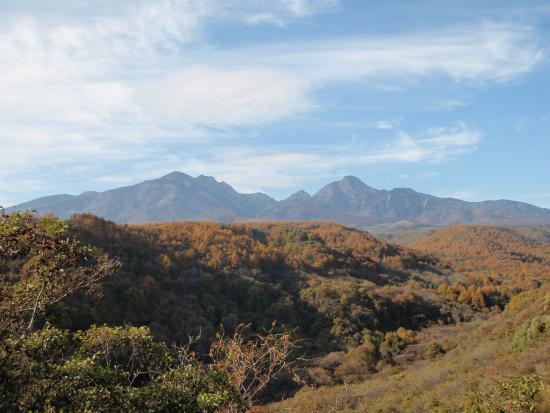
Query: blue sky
450, 98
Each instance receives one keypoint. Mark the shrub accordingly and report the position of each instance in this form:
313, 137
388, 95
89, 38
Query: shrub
358, 362
433, 350
528, 333
395, 342
512, 395
106, 369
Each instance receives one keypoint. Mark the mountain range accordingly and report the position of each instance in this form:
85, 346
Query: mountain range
178, 196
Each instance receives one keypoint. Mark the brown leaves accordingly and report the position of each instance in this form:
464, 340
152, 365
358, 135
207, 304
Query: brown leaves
252, 361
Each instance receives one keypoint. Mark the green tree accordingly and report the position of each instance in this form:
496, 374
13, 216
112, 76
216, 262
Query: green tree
40, 266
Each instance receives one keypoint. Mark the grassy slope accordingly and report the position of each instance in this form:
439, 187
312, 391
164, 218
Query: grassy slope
479, 353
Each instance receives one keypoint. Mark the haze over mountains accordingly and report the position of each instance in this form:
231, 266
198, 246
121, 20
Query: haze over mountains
178, 196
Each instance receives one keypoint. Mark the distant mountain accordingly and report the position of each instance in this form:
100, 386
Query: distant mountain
375, 207
178, 196
302, 207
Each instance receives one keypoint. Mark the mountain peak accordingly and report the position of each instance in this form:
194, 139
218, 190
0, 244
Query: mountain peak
347, 186
88, 194
175, 175
354, 182
349, 194
301, 195
351, 179
206, 178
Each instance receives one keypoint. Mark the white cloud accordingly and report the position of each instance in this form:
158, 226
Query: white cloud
276, 81
260, 18
437, 145
451, 104
122, 85
308, 7
203, 95
258, 169
482, 53
460, 194
276, 12
112, 86
388, 124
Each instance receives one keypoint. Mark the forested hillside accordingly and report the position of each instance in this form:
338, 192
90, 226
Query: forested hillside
497, 362
330, 283
105, 369
497, 260
456, 322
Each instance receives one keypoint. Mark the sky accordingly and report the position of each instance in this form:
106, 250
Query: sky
450, 98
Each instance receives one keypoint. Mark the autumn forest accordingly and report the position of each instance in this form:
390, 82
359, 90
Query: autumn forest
331, 318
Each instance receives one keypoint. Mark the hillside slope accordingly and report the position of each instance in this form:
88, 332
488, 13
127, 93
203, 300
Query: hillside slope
509, 252
497, 362
500, 363
329, 282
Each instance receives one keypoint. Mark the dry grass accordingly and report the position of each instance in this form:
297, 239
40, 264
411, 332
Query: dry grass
479, 355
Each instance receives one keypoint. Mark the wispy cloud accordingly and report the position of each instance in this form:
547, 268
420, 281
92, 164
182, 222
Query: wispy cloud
526, 122
387, 124
279, 12
538, 198
260, 18
128, 83
464, 194
308, 7
206, 96
255, 169
451, 104
437, 145
483, 53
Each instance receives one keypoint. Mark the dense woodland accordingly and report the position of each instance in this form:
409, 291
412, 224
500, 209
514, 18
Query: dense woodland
330, 284
378, 326
107, 368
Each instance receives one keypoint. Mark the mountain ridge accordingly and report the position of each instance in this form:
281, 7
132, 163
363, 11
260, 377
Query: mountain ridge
178, 196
